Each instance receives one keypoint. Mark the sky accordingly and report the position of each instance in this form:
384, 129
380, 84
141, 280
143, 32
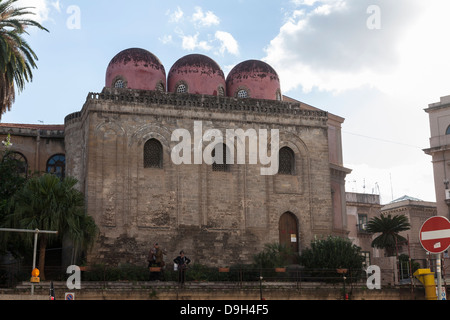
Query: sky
376, 63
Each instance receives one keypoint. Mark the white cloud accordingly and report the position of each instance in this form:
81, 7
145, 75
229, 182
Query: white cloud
207, 19
57, 5
192, 43
220, 41
175, 16
382, 79
40, 8
165, 39
228, 43
328, 46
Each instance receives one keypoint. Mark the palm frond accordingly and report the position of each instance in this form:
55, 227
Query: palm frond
17, 59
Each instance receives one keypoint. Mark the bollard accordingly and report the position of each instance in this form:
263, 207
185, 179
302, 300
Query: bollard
426, 277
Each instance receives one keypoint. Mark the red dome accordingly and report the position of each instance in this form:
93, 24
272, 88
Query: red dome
197, 74
136, 69
254, 79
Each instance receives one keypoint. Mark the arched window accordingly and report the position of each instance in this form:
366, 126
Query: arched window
223, 165
221, 91
278, 96
448, 130
57, 165
153, 154
119, 84
160, 87
19, 161
181, 88
242, 94
286, 164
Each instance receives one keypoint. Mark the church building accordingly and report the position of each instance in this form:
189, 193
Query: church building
124, 149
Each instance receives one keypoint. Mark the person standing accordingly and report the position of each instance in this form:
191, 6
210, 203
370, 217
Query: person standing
182, 261
156, 259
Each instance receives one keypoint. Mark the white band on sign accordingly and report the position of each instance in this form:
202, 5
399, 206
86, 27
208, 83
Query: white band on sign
438, 234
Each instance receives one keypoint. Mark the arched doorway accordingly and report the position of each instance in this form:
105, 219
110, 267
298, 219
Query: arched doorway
288, 229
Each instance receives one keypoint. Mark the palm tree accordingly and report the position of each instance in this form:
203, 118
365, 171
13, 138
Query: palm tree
16, 57
389, 227
49, 203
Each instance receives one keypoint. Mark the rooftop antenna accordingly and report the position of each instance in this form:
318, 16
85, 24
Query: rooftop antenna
392, 190
377, 187
364, 185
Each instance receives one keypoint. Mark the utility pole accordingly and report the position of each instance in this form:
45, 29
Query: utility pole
36, 232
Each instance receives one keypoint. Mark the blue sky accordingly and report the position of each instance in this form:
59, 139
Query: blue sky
377, 63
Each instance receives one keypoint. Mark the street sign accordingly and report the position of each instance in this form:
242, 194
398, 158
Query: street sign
69, 296
435, 234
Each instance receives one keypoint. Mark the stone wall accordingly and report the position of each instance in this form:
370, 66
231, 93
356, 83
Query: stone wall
218, 218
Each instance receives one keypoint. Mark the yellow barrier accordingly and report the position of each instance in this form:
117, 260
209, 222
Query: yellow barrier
426, 277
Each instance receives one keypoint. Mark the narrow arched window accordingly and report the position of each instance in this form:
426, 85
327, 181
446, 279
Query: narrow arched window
153, 154
286, 164
448, 130
223, 164
18, 161
160, 87
57, 165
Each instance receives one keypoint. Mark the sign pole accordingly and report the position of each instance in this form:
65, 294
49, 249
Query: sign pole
434, 237
34, 257
438, 275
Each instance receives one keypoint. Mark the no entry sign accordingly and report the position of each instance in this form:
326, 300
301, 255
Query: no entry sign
435, 234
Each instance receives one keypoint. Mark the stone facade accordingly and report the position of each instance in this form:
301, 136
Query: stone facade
439, 150
119, 146
361, 208
418, 212
218, 218
34, 144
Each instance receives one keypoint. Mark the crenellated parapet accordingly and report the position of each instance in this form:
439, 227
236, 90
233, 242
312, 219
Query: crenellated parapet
227, 104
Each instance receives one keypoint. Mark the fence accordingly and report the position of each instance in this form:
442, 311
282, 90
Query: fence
11, 275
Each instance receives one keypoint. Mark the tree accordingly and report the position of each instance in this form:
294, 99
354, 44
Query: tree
331, 254
17, 59
389, 226
11, 180
274, 255
49, 203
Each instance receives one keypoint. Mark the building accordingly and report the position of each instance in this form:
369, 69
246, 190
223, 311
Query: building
417, 211
121, 146
439, 150
39, 148
361, 208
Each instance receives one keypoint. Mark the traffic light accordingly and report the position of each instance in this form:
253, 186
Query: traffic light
35, 276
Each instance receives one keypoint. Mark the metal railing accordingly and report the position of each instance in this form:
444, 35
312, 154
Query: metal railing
14, 274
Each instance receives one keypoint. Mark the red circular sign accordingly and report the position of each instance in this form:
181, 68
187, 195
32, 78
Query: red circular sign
435, 234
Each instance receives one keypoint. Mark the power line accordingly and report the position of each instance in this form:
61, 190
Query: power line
383, 140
